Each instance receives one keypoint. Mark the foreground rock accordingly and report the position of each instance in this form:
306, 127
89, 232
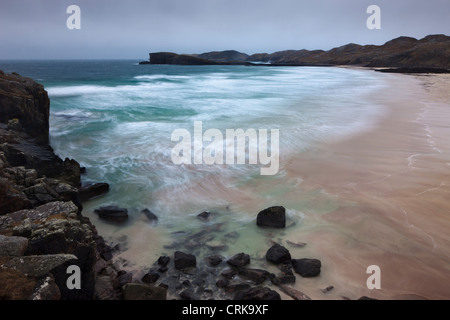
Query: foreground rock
40, 265
42, 229
26, 103
278, 254
12, 246
274, 217
184, 260
239, 260
307, 267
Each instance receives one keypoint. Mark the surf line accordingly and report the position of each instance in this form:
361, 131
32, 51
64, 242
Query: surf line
229, 148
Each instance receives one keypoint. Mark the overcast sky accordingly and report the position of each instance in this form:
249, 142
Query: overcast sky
113, 29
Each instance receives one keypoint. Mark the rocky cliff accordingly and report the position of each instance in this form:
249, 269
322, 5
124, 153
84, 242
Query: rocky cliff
42, 230
430, 52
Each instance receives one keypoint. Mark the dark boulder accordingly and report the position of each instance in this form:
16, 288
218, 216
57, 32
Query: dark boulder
112, 213
239, 260
150, 277
204, 215
92, 190
307, 267
278, 254
285, 276
150, 215
214, 260
274, 217
163, 261
258, 276
184, 260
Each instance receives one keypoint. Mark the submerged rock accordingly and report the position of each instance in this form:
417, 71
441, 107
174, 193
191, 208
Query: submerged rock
274, 217
184, 260
92, 190
239, 260
112, 213
258, 276
150, 215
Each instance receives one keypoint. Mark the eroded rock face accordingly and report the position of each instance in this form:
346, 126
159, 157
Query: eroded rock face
25, 105
41, 226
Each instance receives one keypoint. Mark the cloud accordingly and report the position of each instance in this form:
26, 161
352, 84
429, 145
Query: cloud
130, 29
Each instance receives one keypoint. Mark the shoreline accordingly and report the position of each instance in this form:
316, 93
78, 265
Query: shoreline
385, 180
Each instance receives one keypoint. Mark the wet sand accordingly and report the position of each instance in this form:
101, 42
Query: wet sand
392, 185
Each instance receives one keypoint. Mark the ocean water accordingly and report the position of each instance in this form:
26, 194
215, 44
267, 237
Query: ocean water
116, 118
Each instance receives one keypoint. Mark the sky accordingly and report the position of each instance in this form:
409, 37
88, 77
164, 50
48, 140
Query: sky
130, 29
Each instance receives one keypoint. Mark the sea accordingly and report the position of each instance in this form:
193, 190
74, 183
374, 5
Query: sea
117, 119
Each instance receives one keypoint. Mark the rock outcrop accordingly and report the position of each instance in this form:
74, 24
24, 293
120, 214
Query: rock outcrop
42, 230
426, 55
25, 106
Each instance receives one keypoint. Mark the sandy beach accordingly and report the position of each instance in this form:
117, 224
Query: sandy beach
392, 185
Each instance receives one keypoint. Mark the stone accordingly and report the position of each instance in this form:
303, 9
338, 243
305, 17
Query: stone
163, 261
327, 289
204, 215
12, 246
258, 293
229, 273
184, 260
274, 217
286, 275
150, 215
239, 260
140, 291
46, 289
150, 277
112, 214
278, 254
222, 283
306, 267
93, 190
188, 294
15, 285
213, 260
216, 246
41, 265
258, 276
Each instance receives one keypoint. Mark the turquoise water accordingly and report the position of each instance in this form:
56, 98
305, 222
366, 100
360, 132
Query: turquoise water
116, 118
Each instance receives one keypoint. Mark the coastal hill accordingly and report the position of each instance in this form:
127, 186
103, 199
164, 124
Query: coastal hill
432, 51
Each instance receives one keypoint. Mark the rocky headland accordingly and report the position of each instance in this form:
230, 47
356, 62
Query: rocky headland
42, 230
410, 54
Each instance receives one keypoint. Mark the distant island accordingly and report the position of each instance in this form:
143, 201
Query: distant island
403, 54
